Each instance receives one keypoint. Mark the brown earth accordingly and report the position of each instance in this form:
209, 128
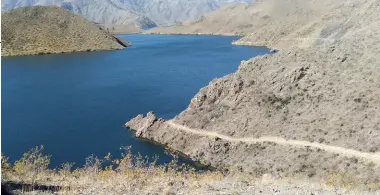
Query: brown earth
45, 30
322, 87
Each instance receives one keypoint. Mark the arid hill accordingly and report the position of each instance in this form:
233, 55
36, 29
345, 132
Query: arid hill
311, 109
45, 30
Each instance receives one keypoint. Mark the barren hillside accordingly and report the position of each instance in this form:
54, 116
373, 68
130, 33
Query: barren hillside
321, 89
44, 30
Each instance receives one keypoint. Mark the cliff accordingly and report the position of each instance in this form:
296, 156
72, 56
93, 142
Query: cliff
45, 30
310, 109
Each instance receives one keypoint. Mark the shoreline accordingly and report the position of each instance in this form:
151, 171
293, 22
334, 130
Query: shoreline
286, 82
194, 163
234, 42
200, 34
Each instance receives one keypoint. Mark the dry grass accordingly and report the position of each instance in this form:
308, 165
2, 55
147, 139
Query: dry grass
140, 175
131, 173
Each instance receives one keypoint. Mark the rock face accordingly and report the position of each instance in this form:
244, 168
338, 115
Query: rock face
140, 13
322, 86
44, 30
141, 127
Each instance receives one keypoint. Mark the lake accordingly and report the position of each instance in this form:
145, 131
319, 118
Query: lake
76, 104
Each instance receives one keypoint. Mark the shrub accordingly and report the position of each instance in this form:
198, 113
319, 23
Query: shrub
32, 162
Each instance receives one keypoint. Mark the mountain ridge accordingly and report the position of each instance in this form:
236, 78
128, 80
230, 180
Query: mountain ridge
142, 14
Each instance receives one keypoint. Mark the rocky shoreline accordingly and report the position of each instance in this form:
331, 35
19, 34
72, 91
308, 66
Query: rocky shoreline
321, 88
256, 160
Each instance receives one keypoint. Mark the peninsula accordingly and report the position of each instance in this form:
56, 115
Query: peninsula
46, 30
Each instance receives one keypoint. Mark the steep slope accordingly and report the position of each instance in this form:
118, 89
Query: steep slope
43, 30
320, 89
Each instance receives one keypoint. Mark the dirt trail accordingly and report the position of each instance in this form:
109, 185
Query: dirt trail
373, 157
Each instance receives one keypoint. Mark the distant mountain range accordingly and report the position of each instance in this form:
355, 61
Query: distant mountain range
140, 13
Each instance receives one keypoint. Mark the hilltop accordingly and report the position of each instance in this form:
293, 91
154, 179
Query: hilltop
44, 30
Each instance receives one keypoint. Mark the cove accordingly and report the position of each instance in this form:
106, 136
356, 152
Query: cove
76, 104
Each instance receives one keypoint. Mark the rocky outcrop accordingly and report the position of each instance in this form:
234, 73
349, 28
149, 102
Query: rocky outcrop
46, 30
322, 86
143, 124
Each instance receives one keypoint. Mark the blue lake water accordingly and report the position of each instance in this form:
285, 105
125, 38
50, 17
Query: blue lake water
76, 104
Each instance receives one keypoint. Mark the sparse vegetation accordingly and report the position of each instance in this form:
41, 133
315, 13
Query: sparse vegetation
130, 172
135, 174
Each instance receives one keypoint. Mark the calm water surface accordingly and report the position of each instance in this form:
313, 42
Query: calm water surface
76, 104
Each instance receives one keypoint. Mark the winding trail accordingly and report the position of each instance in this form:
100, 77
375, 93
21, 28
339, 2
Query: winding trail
373, 157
